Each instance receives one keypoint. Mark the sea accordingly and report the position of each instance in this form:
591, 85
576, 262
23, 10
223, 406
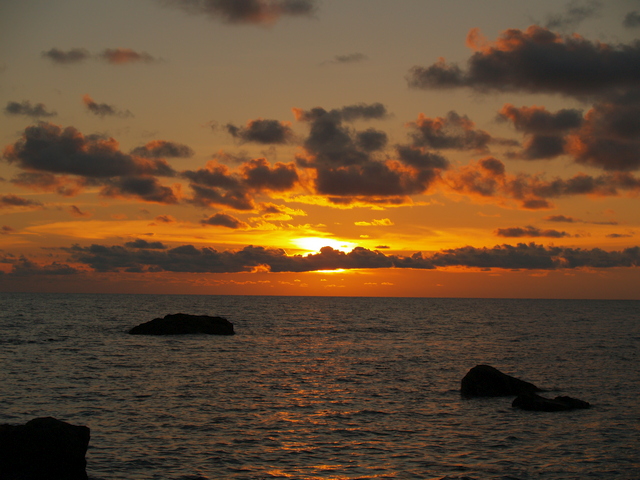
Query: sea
327, 387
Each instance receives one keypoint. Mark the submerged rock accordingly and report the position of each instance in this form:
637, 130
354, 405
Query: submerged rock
43, 448
182, 323
541, 404
487, 381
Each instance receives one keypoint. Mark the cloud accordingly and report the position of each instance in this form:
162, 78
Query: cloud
188, 258
122, 56
257, 12
619, 235
140, 243
216, 184
6, 230
536, 60
539, 120
9, 201
262, 131
560, 219
487, 179
453, 132
224, 220
46, 147
632, 20
529, 231
573, 15
163, 149
25, 108
351, 166
48, 182
103, 110
74, 55
165, 219
76, 212
610, 135
49, 153
383, 222
545, 131
347, 59
23, 267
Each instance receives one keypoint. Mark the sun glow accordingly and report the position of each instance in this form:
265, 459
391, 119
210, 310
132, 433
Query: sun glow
314, 244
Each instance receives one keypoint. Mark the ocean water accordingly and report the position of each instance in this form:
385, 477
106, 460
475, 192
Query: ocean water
327, 388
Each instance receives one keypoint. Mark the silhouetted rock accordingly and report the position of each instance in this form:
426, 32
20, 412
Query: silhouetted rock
182, 323
43, 449
487, 381
537, 403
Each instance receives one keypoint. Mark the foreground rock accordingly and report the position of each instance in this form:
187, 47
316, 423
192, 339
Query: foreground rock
537, 403
43, 448
182, 323
487, 381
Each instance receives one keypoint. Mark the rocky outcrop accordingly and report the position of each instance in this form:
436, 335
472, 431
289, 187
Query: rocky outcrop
487, 381
541, 404
182, 323
43, 448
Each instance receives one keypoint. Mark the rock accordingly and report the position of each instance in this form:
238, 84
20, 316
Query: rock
487, 381
182, 323
541, 404
43, 448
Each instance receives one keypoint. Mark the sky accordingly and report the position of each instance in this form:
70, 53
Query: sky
321, 147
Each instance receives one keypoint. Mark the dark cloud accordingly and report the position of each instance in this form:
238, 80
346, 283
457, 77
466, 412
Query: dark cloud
49, 148
259, 12
632, 20
538, 147
560, 219
371, 140
619, 235
610, 135
347, 59
143, 187
188, 258
545, 131
76, 212
453, 132
143, 244
48, 153
486, 179
529, 231
23, 267
541, 121
573, 15
6, 230
25, 108
8, 201
224, 220
260, 176
103, 110
216, 184
350, 165
122, 56
48, 182
75, 55
262, 131
536, 60
163, 149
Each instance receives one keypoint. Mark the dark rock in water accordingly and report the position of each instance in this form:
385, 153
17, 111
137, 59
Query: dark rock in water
487, 381
43, 448
541, 404
182, 323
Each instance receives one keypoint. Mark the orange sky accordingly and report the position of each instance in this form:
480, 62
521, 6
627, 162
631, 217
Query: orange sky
368, 148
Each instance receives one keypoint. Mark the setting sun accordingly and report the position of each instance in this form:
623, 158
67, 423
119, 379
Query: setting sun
314, 244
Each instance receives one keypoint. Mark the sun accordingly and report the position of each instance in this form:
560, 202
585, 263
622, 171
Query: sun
314, 244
